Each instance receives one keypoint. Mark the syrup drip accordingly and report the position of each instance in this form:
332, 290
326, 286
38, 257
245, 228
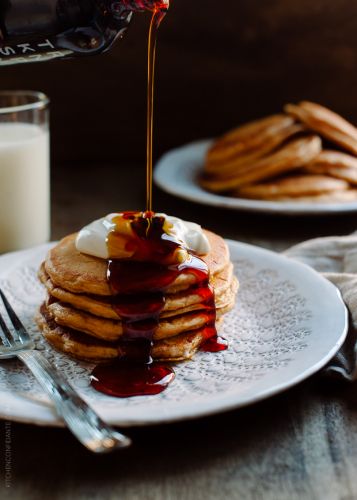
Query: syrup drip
158, 15
214, 343
135, 374
155, 263
127, 379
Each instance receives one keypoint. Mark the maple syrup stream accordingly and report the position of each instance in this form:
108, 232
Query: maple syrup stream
156, 19
134, 374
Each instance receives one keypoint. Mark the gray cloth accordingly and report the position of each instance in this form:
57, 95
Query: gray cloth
336, 259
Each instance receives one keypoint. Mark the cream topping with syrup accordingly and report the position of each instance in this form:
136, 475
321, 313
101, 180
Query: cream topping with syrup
93, 238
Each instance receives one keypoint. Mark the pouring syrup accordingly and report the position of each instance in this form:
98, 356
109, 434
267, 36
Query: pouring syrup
153, 268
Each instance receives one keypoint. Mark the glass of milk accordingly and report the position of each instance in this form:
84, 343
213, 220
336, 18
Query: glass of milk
24, 170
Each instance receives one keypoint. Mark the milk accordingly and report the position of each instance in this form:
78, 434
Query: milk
24, 186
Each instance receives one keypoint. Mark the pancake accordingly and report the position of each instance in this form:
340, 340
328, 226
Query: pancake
79, 319
239, 147
185, 301
336, 164
80, 273
325, 122
229, 166
288, 158
293, 187
87, 348
112, 330
244, 133
332, 197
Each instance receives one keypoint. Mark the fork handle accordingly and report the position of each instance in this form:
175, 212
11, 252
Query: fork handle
84, 423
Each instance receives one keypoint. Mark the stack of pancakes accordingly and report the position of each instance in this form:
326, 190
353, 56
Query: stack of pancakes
78, 317
308, 153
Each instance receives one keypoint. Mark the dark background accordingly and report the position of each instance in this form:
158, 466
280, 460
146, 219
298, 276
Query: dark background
219, 64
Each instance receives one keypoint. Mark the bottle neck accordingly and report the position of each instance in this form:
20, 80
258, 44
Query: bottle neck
140, 5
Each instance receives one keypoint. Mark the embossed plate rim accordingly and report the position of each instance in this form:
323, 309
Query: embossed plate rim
176, 170
24, 410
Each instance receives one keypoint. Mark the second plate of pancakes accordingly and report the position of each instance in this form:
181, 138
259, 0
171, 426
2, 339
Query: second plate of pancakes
178, 170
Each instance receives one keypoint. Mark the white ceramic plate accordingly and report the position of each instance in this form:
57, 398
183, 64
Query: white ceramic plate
177, 171
288, 322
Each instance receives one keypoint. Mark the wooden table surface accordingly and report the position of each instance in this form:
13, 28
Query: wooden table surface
301, 444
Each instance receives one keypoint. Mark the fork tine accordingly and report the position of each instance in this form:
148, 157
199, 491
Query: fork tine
9, 339
21, 333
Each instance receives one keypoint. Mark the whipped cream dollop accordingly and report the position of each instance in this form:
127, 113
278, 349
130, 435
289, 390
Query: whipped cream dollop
92, 239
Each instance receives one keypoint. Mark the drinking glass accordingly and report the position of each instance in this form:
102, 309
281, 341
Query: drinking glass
24, 170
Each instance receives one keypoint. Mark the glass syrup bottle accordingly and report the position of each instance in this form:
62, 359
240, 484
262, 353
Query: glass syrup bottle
40, 30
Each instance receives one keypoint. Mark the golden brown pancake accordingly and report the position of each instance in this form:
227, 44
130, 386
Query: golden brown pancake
88, 348
248, 131
272, 158
239, 147
332, 197
80, 273
179, 303
336, 164
293, 187
112, 329
292, 156
326, 123
78, 317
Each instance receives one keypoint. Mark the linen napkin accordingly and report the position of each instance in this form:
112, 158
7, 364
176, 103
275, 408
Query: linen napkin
336, 258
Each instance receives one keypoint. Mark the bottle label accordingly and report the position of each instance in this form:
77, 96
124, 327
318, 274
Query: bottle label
42, 50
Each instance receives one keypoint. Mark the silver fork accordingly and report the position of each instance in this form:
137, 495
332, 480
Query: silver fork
84, 423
